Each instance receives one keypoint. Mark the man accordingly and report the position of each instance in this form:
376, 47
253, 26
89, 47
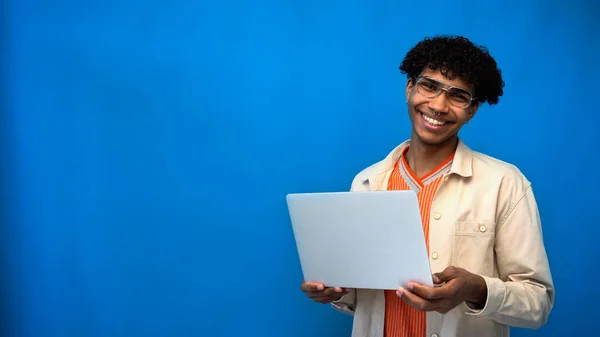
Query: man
480, 217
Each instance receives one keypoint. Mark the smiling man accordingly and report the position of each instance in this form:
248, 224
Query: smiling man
480, 217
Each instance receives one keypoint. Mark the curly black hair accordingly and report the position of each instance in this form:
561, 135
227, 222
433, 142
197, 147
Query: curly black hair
457, 56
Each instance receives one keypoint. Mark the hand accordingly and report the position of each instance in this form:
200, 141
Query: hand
319, 293
457, 286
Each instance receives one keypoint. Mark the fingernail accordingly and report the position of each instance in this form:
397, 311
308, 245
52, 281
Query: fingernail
410, 286
399, 293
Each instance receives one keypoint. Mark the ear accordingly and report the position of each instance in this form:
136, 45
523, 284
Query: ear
409, 85
473, 109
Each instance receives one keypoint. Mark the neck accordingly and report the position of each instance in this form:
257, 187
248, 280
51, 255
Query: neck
423, 158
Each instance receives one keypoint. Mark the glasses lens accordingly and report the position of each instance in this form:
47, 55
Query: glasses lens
457, 97
428, 88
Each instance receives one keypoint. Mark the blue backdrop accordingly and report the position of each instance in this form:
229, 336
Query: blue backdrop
147, 147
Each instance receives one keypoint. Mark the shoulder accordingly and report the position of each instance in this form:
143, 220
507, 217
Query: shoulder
499, 182
507, 176
488, 165
361, 179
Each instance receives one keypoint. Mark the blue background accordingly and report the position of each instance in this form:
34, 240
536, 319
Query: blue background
147, 147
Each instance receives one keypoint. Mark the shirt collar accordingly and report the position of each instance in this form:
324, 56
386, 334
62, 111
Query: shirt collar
463, 160
462, 163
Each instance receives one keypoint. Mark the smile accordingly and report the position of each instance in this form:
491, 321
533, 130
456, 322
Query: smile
431, 121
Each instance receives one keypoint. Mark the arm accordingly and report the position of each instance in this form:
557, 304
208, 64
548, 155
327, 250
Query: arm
523, 295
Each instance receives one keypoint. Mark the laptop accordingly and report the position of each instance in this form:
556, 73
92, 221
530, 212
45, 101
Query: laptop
360, 240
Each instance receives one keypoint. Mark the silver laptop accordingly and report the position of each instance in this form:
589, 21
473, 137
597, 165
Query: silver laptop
369, 240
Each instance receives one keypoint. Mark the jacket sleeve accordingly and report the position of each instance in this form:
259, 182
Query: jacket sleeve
523, 294
347, 303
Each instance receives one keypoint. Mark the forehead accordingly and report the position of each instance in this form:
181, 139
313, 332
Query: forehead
456, 82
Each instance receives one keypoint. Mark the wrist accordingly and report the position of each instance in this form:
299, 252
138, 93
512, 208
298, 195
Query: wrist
478, 294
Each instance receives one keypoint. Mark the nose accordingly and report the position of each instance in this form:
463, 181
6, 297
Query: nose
439, 103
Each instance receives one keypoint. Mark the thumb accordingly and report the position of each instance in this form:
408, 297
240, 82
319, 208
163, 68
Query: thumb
445, 276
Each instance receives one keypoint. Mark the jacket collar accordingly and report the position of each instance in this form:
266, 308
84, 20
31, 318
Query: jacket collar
462, 163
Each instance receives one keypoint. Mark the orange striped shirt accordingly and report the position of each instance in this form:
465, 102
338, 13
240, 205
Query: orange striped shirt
402, 320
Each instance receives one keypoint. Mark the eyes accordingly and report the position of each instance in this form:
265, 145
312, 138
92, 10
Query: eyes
431, 88
429, 85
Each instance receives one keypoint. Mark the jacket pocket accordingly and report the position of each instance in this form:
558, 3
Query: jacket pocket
474, 246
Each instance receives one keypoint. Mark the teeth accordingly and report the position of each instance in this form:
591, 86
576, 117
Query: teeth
433, 121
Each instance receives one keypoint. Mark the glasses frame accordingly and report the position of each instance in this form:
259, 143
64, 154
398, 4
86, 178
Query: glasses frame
442, 88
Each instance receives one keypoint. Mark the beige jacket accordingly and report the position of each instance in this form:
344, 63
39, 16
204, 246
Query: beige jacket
484, 218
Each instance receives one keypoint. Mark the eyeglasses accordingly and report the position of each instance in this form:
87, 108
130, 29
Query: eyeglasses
458, 97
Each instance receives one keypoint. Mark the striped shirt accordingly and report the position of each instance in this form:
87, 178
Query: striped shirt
402, 320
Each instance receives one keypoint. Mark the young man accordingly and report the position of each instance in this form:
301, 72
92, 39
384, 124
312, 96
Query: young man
479, 214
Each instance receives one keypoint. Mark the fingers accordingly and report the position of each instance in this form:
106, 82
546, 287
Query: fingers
326, 299
319, 287
319, 293
446, 275
329, 292
429, 293
441, 299
419, 302
328, 295
414, 300
311, 286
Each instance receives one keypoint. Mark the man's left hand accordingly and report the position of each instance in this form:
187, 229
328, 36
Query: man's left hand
456, 286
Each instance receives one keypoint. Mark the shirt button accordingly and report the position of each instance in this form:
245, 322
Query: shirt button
482, 228
437, 216
434, 255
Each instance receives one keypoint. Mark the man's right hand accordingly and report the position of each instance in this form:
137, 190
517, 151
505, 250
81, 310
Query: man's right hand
319, 293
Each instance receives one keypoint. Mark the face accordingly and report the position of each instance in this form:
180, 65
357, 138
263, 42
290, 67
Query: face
436, 119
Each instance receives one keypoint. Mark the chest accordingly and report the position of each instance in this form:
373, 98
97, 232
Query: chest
459, 219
